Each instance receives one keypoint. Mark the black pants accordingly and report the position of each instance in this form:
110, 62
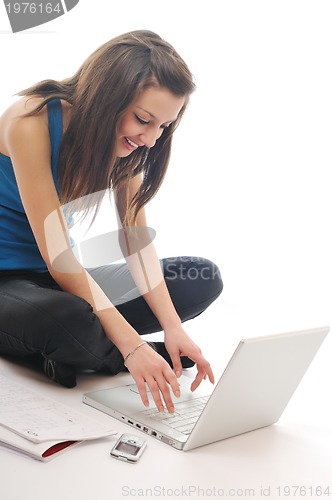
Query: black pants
37, 317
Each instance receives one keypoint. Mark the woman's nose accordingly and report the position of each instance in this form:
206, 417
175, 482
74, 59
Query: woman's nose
150, 137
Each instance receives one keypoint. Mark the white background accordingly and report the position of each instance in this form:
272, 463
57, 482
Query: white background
248, 187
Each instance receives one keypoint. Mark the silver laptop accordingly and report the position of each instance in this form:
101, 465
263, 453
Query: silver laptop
252, 392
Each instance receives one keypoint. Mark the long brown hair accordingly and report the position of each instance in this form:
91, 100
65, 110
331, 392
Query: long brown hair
101, 90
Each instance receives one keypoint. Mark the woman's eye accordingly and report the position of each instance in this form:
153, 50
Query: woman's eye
140, 120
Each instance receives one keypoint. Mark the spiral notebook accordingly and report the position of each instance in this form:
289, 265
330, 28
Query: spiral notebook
39, 426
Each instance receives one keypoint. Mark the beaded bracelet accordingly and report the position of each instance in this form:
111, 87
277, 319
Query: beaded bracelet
132, 352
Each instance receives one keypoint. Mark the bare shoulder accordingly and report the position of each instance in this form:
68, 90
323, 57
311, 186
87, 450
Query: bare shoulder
19, 130
16, 126
22, 106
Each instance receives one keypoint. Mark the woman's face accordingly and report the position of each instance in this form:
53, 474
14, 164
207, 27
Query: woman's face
146, 118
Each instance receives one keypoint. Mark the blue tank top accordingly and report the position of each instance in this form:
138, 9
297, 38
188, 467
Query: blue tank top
18, 247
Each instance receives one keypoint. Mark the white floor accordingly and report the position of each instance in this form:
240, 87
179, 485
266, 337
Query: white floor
295, 452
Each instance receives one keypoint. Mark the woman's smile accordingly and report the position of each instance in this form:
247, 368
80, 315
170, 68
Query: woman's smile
129, 144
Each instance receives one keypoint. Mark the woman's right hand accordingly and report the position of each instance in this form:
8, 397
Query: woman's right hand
151, 371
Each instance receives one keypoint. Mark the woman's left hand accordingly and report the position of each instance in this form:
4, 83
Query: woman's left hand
178, 343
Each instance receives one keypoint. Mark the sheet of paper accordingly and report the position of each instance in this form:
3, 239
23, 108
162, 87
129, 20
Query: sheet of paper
39, 418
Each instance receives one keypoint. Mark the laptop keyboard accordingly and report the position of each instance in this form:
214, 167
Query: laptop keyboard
184, 417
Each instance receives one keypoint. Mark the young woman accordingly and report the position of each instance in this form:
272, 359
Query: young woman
63, 143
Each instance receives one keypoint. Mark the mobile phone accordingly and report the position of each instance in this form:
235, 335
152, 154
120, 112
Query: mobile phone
129, 448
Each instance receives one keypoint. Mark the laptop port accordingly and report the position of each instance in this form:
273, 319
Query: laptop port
153, 433
145, 429
167, 440
130, 422
139, 426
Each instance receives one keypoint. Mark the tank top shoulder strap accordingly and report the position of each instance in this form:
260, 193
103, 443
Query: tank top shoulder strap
55, 126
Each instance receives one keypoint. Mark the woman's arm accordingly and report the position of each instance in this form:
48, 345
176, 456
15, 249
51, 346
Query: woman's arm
28, 145
145, 268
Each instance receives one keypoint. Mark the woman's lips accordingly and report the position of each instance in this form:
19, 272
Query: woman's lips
130, 144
